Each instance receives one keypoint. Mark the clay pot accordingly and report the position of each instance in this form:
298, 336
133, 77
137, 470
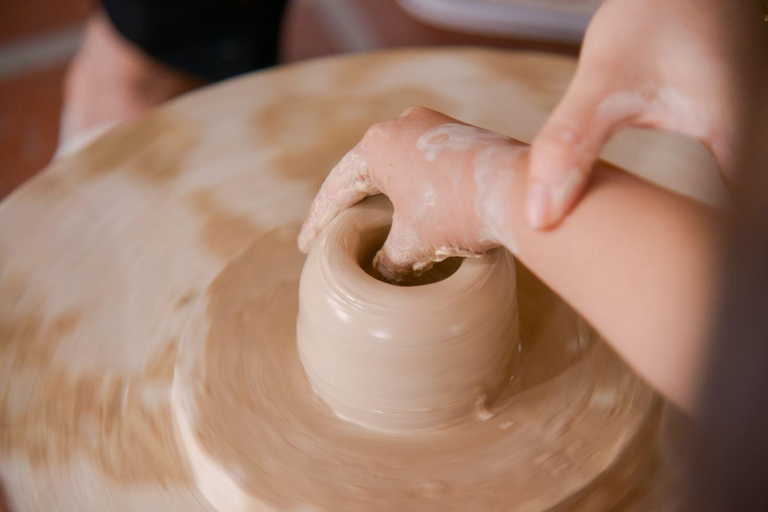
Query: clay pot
401, 358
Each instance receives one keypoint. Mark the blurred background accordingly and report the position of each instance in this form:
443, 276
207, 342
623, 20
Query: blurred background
38, 39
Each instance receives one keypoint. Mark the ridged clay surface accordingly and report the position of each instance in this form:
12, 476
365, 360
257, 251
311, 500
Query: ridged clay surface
399, 358
259, 438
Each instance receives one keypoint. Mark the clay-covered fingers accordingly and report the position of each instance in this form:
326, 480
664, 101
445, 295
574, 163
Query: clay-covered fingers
352, 180
406, 252
348, 183
403, 252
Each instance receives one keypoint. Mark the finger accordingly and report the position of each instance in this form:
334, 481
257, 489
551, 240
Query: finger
566, 148
348, 183
405, 254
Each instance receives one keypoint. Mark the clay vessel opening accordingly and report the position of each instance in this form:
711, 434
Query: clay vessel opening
373, 239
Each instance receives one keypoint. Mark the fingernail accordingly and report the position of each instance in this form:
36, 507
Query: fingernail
538, 205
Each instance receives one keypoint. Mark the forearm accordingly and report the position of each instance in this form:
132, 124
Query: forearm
639, 263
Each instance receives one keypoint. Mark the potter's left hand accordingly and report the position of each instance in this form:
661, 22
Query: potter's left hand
449, 183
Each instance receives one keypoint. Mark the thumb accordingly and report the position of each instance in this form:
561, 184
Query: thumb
403, 253
566, 148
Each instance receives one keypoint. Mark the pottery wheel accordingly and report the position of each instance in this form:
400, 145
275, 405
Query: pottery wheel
109, 259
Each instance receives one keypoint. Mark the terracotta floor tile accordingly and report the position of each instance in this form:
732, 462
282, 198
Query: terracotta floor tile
20, 18
29, 124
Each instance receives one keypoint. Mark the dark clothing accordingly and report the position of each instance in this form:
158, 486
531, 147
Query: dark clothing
213, 39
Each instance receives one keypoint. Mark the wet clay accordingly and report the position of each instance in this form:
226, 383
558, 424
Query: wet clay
258, 437
399, 358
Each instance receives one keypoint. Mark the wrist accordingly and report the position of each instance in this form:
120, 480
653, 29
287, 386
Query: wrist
500, 176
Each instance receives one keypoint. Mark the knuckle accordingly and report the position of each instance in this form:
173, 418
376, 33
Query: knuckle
415, 112
408, 112
561, 134
377, 132
561, 141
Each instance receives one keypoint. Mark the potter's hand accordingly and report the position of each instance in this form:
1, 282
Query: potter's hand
449, 183
687, 66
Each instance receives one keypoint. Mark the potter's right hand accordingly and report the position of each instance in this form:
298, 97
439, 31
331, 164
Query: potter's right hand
449, 183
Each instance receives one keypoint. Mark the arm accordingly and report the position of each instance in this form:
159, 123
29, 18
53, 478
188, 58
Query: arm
688, 66
639, 263
635, 260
